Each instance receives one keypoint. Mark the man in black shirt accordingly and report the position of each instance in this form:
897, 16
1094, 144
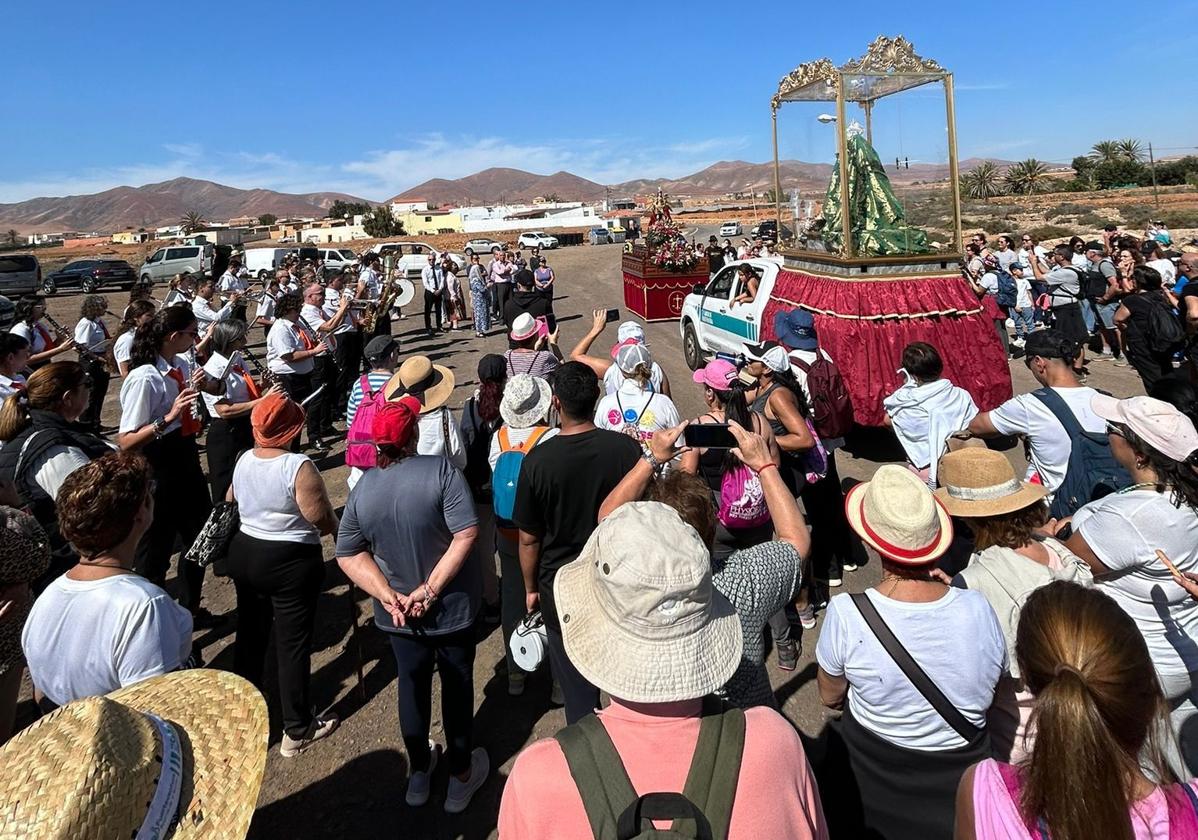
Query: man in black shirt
524, 299
715, 255
563, 481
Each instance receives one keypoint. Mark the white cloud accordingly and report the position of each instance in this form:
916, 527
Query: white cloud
381, 173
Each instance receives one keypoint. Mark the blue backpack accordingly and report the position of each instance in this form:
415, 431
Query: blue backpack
507, 473
1006, 288
1092, 471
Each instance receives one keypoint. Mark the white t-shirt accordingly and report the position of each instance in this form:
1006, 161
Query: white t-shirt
1080, 260
956, 640
85, 638
441, 437
614, 377
1023, 292
1025, 257
1124, 530
314, 317
648, 410
1047, 438
284, 338
1167, 270
515, 437
122, 348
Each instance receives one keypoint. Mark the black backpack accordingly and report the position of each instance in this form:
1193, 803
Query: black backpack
1164, 333
1092, 471
478, 469
1093, 283
702, 810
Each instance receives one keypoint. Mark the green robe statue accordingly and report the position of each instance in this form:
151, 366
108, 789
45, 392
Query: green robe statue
875, 214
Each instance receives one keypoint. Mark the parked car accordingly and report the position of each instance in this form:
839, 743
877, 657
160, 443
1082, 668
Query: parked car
337, 259
8, 313
482, 246
412, 257
89, 275
768, 230
20, 274
165, 263
600, 236
730, 229
537, 239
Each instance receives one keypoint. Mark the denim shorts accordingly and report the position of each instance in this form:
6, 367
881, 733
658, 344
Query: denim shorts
1106, 313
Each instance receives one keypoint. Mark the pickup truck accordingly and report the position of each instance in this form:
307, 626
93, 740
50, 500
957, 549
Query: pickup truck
711, 323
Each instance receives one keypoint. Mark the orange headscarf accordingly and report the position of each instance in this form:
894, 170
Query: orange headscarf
276, 421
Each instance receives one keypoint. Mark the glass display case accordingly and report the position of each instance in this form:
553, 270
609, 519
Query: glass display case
892, 192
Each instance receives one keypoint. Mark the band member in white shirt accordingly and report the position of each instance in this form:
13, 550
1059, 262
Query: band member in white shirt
325, 370
370, 285
265, 316
291, 348
233, 281
28, 323
182, 290
347, 338
201, 305
157, 420
91, 334
136, 314
14, 356
432, 278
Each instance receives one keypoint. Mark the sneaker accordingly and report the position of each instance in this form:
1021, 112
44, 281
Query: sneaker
848, 567
1120, 361
460, 793
420, 781
788, 655
1017, 342
515, 683
1106, 353
834, 582
320, 727
807, 617
556, 698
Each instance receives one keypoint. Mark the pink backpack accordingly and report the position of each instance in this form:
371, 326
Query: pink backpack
359, 448
742, 500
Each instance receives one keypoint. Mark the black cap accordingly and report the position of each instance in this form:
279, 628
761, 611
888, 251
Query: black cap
492, 368
1094, 245
1050, 344
380, 347
523, 277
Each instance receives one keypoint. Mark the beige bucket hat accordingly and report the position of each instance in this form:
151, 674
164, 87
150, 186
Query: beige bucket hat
187, 746
898, 516
980, 482
640, 618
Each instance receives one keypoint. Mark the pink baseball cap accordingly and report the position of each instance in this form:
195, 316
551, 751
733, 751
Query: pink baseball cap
716, 375
1155, 422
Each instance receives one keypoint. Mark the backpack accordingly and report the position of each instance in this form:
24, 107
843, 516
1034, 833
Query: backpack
1006, 289
831, 407
742, 499
507, 473
1164, 331
478, 470
1092, 472
1093, 283
703, 809
359, 440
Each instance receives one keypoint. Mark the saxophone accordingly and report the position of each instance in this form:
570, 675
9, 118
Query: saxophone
386, 296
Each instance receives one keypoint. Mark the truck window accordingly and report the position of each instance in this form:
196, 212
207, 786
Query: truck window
721, 286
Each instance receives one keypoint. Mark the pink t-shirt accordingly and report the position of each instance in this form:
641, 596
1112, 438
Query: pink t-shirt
776, 794
997, 817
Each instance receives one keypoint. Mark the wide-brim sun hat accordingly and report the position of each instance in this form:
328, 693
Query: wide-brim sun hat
1159, 424
978, 482
796, 329
431, 384
526, 401
640, 618
187, 746
898, 516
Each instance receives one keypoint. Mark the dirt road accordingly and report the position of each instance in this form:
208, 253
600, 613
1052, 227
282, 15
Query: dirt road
353, 783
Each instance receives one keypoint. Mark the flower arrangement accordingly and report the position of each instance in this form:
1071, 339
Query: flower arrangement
668, 248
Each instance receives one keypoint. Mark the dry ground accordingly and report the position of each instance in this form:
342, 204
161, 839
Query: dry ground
352, 785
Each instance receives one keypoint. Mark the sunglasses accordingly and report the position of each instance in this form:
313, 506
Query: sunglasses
1116, 430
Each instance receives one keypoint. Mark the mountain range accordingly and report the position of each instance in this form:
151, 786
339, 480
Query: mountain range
164, 203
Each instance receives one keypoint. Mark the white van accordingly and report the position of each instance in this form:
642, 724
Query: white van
166, 262
262, 262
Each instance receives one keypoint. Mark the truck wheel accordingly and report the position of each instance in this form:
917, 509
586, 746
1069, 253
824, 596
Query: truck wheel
263, 274
691, 351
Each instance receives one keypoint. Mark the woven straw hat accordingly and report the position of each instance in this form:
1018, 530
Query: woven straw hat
431, 384
897, 514
980, 482
108, 766
640, 618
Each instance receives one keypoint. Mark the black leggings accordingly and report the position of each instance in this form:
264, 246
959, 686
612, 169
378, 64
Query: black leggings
454, 657
277, 583
181, 506
226, 441
298, 386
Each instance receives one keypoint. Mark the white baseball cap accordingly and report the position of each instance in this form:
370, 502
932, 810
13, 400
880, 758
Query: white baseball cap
1157, 423
632, 355
631, 329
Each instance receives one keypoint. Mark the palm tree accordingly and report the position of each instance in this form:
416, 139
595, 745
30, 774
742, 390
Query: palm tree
192, 221
13, 238
1106, 151
1027, 176
1130, 149
983, 181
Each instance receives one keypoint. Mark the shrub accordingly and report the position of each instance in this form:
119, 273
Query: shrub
1180, 218
1135, 214
1066, 209
990, 225
1092, 220
1050, 232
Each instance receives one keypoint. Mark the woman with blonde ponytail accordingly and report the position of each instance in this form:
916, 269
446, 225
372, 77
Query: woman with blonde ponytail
43, 444
1097, 768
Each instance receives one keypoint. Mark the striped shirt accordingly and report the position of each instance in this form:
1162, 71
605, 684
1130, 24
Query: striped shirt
377, 379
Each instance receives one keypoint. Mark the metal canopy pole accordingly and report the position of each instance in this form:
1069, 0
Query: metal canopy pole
777, 185
842, 153
953, 175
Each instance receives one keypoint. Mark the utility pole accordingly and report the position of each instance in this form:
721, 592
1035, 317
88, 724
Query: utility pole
1156, 199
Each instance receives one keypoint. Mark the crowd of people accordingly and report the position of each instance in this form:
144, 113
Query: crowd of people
1024, 668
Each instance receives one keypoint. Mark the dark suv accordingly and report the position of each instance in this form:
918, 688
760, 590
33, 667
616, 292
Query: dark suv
768, 230
90, 275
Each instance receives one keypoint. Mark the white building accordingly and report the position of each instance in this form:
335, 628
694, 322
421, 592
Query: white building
398, 208
516, 217
339, 233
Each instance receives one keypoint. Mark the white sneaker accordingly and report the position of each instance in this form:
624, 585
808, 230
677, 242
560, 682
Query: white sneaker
321, 727
420, 781
834, 582
848, 567
460, 793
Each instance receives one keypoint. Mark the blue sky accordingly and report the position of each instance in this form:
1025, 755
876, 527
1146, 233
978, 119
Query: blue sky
372, 98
